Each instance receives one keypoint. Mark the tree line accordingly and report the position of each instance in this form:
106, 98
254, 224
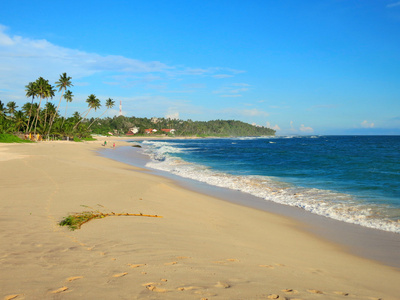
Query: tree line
40, 116
219, 128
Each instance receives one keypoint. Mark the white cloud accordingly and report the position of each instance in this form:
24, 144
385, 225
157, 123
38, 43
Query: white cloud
174, 116
23, 60
367, 124
231, 96
276, 127
233, 90
220, 76
393, 4
305, 129
254, 112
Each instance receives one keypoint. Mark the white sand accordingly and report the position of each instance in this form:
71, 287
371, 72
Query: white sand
202, 248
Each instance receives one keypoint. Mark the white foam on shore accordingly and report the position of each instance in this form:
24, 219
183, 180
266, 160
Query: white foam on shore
339, 206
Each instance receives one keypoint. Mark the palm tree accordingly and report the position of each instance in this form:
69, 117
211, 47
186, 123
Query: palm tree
19, 119
2, 108
68, 98
30, 92
92, 102
11, 108
48, 94
62, 84
109, 104
41, 86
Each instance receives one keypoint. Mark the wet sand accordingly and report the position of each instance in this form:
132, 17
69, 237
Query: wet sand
201, 248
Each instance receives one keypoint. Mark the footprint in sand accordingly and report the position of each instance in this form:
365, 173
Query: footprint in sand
233, 260
136, 265
74, 278
10, 297
152, 286
155, 289
289, 291
171, 263
120, 274
224, 262
273, 296
315, 291
60, 290
221, 284
188, 288
267, 266
341, 293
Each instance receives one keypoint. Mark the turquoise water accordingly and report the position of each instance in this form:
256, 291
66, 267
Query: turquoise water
355, 179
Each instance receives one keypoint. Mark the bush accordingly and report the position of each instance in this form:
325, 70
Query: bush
9, 138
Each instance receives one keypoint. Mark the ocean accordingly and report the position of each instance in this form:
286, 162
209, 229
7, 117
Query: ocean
355, 179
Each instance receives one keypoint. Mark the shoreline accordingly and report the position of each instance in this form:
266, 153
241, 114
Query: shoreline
202, 248
378, 245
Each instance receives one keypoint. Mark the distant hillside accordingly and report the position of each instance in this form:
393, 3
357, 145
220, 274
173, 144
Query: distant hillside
122, 125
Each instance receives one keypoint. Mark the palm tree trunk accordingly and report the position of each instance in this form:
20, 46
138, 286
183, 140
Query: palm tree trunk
37, 114
52, 119
65, 115
97, 118
76, 125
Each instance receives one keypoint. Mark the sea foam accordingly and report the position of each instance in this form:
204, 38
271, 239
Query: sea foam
339, 206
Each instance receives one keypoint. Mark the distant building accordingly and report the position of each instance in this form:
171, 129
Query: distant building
132, 131
172, 131
149, 131
154, 120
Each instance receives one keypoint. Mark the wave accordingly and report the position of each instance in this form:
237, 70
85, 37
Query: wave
327, 203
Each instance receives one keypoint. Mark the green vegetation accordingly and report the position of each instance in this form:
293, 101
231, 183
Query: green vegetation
39, 118
218, 128
75, 221
9, 138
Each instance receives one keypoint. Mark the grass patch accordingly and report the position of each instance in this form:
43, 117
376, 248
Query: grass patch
89, 139
10, 138
75, 221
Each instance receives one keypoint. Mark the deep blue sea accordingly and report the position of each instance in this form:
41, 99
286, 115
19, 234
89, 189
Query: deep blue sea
355, 179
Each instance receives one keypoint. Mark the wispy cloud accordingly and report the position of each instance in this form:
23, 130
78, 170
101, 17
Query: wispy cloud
231, 96
245, 112
306, 129
232, 90
24, 59
220, 76
393, 4
367, 124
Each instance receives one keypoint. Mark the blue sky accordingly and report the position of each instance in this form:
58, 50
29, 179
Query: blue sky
301, 67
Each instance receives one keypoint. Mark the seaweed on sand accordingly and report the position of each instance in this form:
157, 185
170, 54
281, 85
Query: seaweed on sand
75, 221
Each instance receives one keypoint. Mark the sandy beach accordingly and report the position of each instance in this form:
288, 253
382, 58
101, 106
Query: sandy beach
201, 248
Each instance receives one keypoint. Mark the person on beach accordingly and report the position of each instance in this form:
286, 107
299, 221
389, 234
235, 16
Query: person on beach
113, 145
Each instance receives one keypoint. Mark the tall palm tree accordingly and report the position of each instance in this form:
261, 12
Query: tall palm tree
109, 104
30, 92
19, 120
93, 103
68, 98
42, 91
62, 84
2, 109
11, 108
49, 94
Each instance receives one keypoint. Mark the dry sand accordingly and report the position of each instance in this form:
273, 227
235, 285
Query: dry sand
202, 248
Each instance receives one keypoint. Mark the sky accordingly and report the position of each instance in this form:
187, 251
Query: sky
301, 67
